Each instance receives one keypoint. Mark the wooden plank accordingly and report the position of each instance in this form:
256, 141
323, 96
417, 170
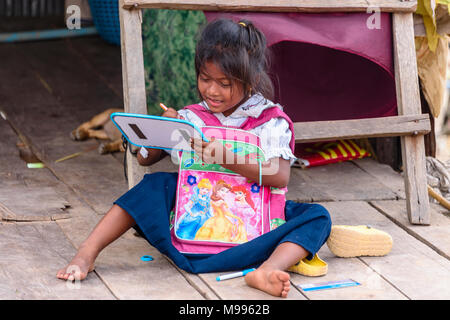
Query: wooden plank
362, 128
120, 267
61, 109
237, 289
104, 65
276, 6
372, 287
95, 179
18, 23
436, 236
18, 203
47, 111
301, 188
133, 77
384, 174
336, 182
18, 192
412, 267
31, 256
408, 100
196, 281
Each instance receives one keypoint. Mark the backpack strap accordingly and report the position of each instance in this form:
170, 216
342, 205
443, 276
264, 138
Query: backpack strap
274, 112
267, 115
207, 116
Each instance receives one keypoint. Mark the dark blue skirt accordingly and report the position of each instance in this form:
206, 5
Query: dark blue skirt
150, 203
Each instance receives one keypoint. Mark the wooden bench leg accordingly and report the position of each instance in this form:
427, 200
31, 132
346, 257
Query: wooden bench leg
133, 77
408, 102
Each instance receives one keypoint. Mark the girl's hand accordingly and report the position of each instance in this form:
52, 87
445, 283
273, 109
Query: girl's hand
171, 113
210, 152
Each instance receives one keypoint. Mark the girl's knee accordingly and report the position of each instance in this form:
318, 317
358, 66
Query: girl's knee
322, 210
323, 215
318, 210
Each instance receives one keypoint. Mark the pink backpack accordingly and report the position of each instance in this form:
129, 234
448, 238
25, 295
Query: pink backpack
216, 208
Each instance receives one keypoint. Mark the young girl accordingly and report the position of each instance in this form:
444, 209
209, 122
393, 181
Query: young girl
232, 82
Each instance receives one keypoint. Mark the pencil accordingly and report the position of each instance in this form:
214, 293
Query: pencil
73, 155
76, 154
163, 106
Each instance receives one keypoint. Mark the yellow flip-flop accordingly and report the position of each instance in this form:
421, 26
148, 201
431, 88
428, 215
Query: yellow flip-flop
354, 241
312, 268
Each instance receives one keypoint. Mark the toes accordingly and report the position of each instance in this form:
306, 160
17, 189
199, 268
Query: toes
282, 276
286, 288
61, 274
68, 274
274, 282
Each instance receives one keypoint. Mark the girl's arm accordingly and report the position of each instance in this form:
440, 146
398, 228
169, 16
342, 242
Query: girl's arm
154, 155
275, 172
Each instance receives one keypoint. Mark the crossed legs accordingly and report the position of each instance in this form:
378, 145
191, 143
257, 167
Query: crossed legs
270, 277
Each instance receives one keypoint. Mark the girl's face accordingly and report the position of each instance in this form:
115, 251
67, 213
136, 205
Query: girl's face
220, 93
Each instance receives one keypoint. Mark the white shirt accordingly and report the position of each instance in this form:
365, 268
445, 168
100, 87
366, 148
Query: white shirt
274, 135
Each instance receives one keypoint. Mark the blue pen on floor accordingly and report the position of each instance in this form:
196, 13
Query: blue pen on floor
329, 285
234, 275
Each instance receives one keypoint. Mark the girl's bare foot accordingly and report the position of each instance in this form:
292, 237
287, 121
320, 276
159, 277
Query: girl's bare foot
80, 266
270, 280
113, 224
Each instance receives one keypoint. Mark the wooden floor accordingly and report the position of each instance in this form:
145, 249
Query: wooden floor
48, 88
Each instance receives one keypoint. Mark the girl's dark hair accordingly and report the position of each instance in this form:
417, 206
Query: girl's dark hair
239, 50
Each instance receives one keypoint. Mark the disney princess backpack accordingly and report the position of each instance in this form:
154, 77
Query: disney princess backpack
216, 208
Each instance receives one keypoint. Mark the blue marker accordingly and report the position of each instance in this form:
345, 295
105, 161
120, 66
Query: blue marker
146, 258
329, 285
234, 275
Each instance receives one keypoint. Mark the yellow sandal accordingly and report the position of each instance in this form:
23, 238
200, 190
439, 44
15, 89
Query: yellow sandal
354, 241
312, 268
